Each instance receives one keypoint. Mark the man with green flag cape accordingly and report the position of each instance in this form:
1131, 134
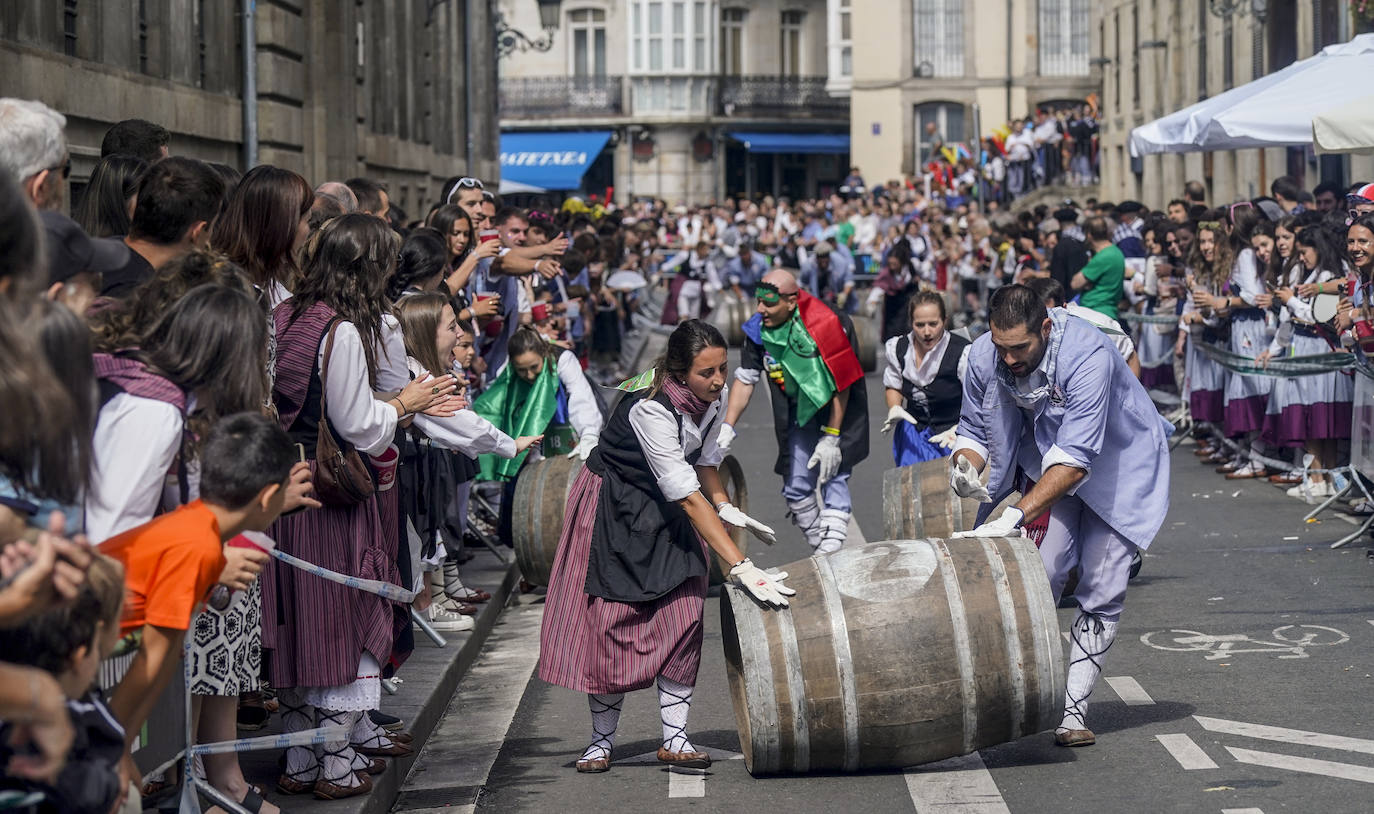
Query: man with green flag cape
820, 417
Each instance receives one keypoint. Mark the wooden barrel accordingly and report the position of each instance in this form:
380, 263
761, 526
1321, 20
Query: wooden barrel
732, 478
729, 315
868, 330
893, 654
541, 499
917, 502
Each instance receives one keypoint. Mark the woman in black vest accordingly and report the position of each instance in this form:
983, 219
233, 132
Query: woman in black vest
924, 377
629, 582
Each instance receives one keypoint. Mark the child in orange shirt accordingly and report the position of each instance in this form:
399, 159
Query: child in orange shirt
174, 561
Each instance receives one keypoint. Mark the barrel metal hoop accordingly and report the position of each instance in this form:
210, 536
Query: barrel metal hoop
844, 662
1006, 605
1045, 624
963, 644
796, 691
756, 672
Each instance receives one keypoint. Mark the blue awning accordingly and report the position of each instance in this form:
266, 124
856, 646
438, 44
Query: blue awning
826, 143
534, 161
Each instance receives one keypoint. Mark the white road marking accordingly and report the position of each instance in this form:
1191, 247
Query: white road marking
1069, 639
1188, 754
1241, 811
1277, 733
1129, 691
1328, 768
960, 785
686, 782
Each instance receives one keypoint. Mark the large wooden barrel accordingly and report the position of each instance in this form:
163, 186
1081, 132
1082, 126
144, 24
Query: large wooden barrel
541, 499
732, 478
893, 654
729, 315
917, 502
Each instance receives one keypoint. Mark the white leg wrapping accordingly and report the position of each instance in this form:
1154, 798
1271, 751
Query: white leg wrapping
605, 719
805, 514
1089, 640
297, 715
834, 531
674, 702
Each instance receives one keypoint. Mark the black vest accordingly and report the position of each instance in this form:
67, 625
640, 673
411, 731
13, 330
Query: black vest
945, 393
643, 546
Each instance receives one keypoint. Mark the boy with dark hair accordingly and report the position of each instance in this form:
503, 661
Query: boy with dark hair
372, 196
178, 201
173, 562
136, 137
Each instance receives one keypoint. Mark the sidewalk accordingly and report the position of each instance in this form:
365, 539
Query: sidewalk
428, 680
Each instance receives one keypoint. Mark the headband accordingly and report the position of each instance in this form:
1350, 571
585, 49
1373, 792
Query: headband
767, 293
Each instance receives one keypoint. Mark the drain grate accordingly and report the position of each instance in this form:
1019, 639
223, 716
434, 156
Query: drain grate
415, 799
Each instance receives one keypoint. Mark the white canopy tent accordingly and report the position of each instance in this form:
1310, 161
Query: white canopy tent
1275, 110
1347, 128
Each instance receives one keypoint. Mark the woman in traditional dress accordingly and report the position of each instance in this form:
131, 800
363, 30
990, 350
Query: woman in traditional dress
923, 377
1309, 412
1208, 265
327, 642
629, 581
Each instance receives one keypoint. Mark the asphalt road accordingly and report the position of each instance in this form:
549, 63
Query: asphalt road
1240, 682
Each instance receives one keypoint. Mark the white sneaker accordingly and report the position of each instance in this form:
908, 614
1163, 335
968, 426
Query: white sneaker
1313, 491
445, 620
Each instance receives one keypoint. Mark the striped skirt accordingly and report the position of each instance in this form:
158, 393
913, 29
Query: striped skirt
1246, 396
596, 645
1304, 408
1206, 381
313, 630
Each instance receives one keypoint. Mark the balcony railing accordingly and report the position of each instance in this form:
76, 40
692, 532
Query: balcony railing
754, 97
534, 97
787, 97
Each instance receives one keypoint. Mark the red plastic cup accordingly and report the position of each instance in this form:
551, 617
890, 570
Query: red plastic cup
487, 234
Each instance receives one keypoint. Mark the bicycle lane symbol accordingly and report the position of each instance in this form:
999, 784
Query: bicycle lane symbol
1289, 642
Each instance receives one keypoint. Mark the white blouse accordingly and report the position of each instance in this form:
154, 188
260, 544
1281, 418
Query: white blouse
923, 374
583, 412
666, 450
354, 412
136, 441
465, 431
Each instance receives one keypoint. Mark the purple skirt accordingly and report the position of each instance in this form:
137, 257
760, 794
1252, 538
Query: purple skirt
596, 645
1245, 414
1160, 377
313, 630
1206, 405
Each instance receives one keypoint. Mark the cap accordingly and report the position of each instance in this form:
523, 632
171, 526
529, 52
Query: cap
539, 312
1066, 215
1271, 209
70, 251
1128, 207
1364, 194
823, 248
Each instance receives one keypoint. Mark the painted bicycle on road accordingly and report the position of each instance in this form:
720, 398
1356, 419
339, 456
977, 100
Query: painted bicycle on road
1289, 642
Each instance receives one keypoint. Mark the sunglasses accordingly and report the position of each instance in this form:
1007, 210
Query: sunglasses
465, 182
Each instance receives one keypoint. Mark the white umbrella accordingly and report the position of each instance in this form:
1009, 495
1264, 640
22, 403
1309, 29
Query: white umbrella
1271, 111
626, 280
1347, 128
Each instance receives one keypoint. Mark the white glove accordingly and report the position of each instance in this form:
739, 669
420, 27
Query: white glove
583, 450
827, 456
897, 413
766, 588
730, 513
946, 438
965, 481
1007, 524
725, 437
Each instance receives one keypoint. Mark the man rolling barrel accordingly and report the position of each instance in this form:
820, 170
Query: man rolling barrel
1052, 407
820, 408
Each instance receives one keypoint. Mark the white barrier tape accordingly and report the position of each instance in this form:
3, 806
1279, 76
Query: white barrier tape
1149, 319
383, 589
308, 737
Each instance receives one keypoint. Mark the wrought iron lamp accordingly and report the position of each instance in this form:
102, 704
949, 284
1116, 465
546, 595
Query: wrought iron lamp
509, 40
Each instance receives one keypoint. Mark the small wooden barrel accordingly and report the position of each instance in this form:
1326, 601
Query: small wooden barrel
893, 654
729, 315
732, 478
541, 500
917, 502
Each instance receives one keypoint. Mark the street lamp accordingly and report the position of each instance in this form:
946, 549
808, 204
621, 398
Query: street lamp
1226, 8
509, 40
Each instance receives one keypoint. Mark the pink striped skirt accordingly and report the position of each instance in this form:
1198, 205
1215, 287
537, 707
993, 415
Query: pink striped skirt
596, 645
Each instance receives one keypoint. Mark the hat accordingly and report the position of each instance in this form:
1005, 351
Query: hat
1066, 215
1364, 194
70, 251
1129, 207
539, 312
1271, 209
823, 249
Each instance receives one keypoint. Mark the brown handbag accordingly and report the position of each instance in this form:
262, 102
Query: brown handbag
341, 477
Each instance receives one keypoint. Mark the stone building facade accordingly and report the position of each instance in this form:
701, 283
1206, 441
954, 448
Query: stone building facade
344, 87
